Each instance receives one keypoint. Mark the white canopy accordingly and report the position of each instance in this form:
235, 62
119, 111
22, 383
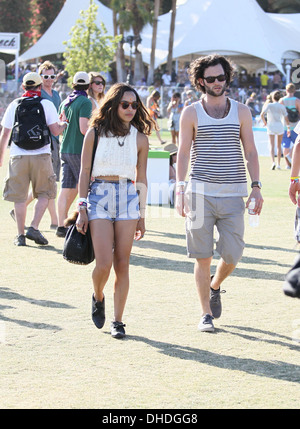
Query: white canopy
59, 31
232, 27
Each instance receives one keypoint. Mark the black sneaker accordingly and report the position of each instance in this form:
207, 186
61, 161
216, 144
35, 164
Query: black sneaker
98, 312
61, 231
36, 236
117, 330
215, 301
20, 240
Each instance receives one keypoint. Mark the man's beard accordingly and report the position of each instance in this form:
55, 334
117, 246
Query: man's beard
213, 93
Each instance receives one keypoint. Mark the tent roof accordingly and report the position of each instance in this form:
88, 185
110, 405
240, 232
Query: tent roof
242, 29
204, 26
59, 31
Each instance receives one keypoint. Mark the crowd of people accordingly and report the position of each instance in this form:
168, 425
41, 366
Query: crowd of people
118, 123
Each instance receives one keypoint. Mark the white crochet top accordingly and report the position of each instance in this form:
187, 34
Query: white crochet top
116, 156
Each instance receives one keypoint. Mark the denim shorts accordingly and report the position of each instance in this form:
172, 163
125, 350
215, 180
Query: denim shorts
113, 201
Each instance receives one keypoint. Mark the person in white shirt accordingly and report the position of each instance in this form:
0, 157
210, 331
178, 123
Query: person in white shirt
29, 166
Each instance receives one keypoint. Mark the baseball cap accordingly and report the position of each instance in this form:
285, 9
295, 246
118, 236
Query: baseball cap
32, 79
81, 78
172, 148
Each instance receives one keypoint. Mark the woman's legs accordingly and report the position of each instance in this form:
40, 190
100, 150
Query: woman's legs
272, 151
102, 232
279, 140
124, 235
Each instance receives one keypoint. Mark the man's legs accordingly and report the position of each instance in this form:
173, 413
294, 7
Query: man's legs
202, 278
64, 202
204, 281
222, 272
39, 210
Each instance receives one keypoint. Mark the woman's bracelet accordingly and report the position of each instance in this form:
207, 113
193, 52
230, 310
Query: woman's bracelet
180, 193
82, 203
180, 183
295, 179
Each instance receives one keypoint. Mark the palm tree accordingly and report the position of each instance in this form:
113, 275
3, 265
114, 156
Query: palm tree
153, 46
171, 37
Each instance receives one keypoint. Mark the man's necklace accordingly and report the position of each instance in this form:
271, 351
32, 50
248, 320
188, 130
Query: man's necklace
215, 114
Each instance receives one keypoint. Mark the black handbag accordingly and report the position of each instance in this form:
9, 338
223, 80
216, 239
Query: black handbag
78, 248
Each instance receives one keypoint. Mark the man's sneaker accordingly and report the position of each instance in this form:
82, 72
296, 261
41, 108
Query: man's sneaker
206, 323
215, 302
98, 312
20, 240
117, 330
61, 231
36, 236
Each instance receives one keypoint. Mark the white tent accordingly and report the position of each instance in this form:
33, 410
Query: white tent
52, 40
232, 27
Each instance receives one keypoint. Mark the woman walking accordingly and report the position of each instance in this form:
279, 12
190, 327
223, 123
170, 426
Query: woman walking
96, 89
114, 207
275, 113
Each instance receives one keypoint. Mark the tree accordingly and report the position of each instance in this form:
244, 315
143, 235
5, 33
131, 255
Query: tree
280, 6
153, 47
171, 37
89, 48
15, 17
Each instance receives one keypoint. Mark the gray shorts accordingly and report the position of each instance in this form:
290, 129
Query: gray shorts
227, 214
70, 170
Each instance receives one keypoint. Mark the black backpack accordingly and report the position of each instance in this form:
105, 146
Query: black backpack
30, 130
293, 115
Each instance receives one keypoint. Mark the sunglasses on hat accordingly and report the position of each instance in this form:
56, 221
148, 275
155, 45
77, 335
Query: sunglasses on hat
126, 104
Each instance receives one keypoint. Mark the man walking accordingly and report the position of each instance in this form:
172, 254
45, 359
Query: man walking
210, 134
77, 109
292, 104
30, 156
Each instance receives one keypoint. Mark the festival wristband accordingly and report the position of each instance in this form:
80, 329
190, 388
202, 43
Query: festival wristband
294, 179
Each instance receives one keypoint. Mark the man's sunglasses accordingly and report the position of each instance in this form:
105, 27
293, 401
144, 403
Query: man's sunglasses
126, 104
211, 79
98, 82
46, 76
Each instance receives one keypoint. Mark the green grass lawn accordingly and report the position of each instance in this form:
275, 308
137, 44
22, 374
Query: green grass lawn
52, 356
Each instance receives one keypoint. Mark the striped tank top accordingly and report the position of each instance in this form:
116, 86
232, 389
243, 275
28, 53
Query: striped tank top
217, 162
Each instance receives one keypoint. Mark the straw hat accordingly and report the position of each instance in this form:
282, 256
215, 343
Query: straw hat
172, 148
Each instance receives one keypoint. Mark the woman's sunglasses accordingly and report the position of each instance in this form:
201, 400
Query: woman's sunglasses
46, 76
98, 82
211, 79
126, 104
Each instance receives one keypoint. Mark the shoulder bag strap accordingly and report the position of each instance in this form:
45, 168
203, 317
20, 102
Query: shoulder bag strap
94, 149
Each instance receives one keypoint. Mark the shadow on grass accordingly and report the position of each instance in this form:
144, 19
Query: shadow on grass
165, 264
246, 331
277, 370
8, 294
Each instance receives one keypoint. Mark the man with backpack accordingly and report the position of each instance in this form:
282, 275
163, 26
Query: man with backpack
27, 126
292, 105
